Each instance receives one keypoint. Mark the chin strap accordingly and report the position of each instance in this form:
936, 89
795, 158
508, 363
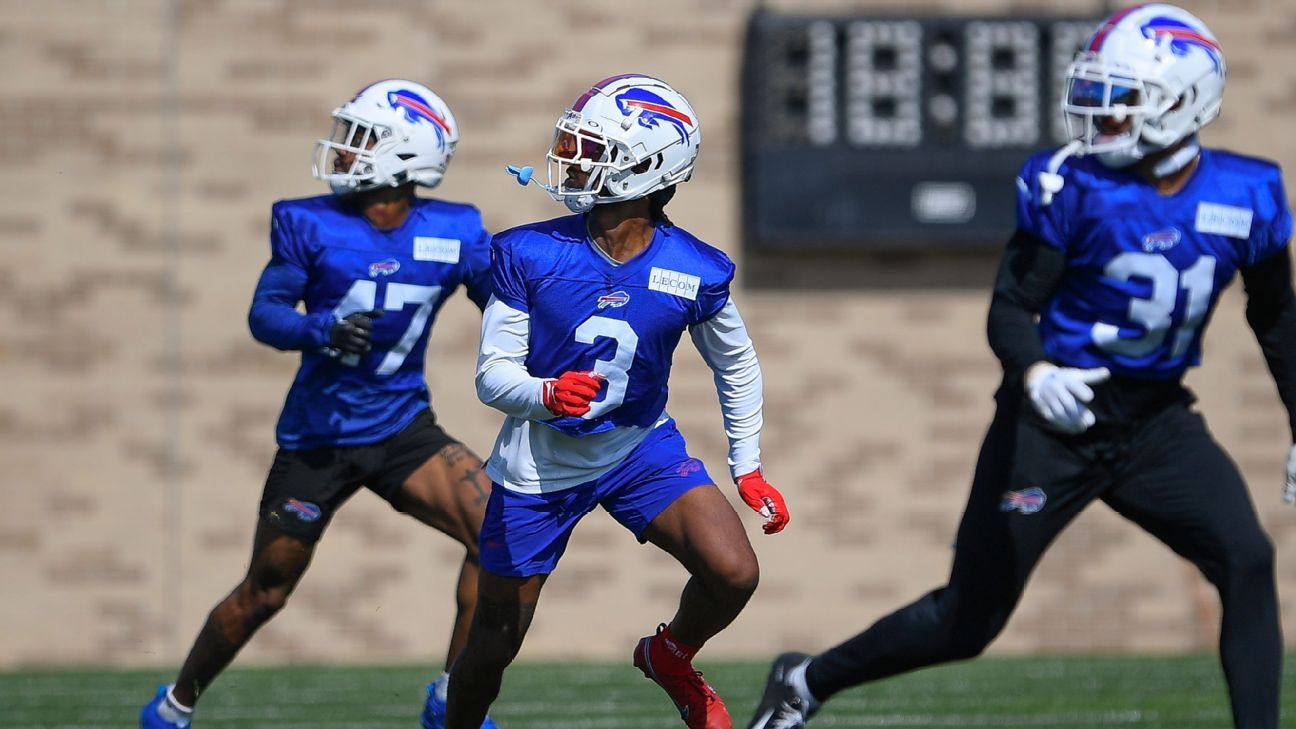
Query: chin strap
1180, 159
1050, 182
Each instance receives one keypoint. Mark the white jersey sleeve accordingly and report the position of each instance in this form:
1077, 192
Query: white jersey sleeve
728, 351
502, 378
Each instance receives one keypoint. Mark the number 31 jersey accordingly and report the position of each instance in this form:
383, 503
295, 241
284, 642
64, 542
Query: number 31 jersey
622, 320
330, 257
1145, 270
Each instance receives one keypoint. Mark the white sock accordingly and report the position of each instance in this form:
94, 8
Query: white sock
442, 684
174, 711
796, 678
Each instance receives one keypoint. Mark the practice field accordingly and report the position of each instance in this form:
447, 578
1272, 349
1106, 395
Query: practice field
1178, 692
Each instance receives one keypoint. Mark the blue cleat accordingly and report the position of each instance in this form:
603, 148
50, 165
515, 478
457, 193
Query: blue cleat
151, 719
434, 711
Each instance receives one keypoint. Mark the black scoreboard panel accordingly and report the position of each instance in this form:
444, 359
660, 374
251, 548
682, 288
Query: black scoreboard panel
891, 132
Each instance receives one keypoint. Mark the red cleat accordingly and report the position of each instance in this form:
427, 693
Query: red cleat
662, 660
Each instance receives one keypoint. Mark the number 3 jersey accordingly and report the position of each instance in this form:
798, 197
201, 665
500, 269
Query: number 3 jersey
1145, 270
561, 304
328, 256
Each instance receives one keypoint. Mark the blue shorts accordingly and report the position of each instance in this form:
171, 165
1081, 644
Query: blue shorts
526, 534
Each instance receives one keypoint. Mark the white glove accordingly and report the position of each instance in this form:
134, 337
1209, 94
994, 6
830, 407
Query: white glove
1059, 395
1289, 488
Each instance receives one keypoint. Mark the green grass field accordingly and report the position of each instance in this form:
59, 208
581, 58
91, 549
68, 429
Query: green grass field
1180, 692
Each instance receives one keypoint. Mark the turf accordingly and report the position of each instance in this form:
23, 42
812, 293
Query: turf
1176, 692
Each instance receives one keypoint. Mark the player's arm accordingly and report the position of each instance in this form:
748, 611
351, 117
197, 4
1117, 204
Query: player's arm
503, 381
1029, 275
1271, 312
727, 349
274, 319
477, 272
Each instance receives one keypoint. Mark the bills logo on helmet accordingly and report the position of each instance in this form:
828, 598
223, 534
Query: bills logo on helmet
1182, 38
417, 110
653, 109
616, 299
385, 267
1027, 501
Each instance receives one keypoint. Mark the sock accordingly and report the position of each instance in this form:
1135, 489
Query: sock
796, 678
441, 685
174, 711
680, 650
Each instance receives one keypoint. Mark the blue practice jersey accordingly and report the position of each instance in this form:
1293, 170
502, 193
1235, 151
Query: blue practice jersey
623, 321
1144, 271
330, 257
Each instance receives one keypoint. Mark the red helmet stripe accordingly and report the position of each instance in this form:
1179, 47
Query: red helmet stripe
1096, 42
424, 108
660, 109
580, 103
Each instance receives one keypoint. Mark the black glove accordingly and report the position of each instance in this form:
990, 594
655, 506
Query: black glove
351, 334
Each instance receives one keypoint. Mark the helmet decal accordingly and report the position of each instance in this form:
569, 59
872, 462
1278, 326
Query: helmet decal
1183, 38
417, 109
653, 108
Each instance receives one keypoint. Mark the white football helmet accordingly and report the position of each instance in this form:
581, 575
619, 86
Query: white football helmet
1150, 76
391, 133
632, 134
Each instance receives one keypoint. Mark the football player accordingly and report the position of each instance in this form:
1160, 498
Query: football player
1118, 260
373, 263
577, 341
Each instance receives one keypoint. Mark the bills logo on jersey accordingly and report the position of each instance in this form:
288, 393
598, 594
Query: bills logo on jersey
385, 267
1161, 240
417, 110
305, 510
1182, 38
653, 109
1027, 501
615, 300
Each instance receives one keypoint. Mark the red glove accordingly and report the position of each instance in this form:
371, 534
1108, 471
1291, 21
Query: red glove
571, 393
764, 498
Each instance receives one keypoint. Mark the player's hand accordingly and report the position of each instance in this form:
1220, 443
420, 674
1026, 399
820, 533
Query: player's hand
1289, 488
757, 493
1059, 394
352, 333
571, 393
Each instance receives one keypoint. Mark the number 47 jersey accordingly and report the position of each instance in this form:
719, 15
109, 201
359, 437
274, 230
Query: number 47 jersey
329, 257
1145, 270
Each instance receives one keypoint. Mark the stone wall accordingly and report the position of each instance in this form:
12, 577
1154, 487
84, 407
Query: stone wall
145, 141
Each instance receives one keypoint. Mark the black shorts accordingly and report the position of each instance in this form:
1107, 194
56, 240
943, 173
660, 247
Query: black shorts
306, 487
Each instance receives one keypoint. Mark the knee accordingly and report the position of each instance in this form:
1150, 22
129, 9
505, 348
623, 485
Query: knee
1252, 560
967, 630
259, 603
489, 650
970, 644
738, 575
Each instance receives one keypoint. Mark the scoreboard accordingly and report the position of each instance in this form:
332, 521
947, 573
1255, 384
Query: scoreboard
877, 133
